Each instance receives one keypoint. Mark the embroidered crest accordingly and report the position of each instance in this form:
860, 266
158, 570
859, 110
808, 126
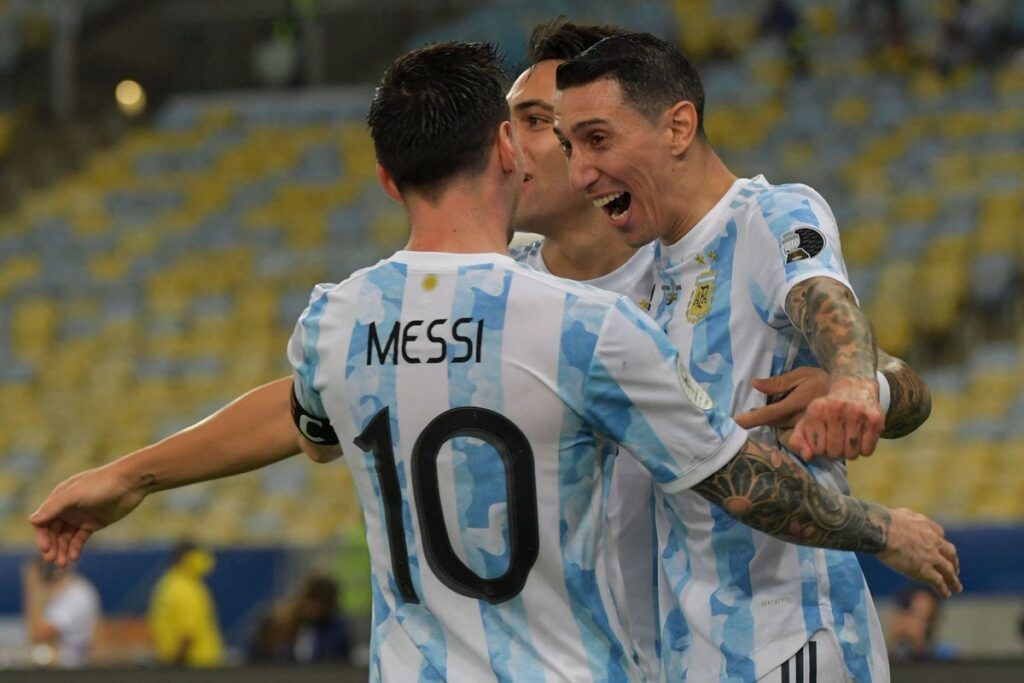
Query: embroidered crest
703, 290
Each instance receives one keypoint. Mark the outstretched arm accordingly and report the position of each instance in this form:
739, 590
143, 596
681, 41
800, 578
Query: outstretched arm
849, 419
768, 491
253, 431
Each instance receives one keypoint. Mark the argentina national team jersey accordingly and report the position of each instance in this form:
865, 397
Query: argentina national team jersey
630, 534
736, 603
478, 403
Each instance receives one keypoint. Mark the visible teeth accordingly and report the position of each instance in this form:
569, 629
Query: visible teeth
607, 198
616, 214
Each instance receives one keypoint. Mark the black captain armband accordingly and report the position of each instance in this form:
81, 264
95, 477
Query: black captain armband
313, 428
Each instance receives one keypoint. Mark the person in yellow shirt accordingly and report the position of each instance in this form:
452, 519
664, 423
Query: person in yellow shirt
182, 618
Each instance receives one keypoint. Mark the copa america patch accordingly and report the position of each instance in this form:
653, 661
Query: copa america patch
802, 243
692, 389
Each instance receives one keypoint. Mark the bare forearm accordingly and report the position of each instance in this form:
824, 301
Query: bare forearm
839, 333
910, 402
253, 431
768, 491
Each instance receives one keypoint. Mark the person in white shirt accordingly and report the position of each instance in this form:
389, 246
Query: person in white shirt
62, 611
750, 283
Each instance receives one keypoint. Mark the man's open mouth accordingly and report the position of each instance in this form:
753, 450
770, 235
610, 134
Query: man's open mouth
616, 204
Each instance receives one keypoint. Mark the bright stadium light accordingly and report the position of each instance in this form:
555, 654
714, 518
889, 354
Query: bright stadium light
131, 98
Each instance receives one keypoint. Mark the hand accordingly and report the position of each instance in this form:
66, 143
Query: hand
845, 423
795, 389
78, 507
916, 547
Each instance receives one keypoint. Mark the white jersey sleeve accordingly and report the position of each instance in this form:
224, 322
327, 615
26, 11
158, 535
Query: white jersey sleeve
303, 353
796, 239
640, 395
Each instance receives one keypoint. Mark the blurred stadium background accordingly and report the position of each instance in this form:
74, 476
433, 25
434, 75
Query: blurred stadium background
175, 175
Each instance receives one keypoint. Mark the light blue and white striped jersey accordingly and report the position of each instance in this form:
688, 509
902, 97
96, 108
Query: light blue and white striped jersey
631, 538
478, 403
736, 603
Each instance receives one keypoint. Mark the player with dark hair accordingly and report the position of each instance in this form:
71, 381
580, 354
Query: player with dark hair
580, 244
425, 152
482, 399
750, 282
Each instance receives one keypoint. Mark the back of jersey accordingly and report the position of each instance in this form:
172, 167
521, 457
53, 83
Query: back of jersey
477, 402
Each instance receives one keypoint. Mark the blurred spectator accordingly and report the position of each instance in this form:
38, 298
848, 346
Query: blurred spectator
782, 19
182, 618
966, 37
62, 610
883, 25
309, 629
911, 633
276, 60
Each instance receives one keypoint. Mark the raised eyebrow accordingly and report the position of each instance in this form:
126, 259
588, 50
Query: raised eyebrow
529, 104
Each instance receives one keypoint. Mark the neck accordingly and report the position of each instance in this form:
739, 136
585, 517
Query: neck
585, 248
700, 186
469, 218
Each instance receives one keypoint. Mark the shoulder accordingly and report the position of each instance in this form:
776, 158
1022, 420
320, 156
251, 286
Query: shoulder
778, 212
562, 286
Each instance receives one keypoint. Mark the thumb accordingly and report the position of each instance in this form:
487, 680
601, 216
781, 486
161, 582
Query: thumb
46, 512
775, 385
799, 444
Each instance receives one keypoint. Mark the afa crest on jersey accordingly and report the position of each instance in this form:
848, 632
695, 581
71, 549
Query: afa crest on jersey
703, 292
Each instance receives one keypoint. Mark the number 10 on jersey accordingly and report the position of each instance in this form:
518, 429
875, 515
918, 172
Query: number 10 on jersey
513, 448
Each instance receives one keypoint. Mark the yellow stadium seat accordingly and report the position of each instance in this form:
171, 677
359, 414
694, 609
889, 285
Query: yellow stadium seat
17, 271
918, 208
851, 111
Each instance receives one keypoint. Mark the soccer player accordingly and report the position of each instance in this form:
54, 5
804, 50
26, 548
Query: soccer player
579, 243
486, 554
750, 284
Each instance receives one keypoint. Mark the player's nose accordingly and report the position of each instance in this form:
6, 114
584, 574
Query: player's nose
582, 173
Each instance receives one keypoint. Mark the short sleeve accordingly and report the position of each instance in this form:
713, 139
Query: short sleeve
304, 355
638, 394
794, 237
73, 611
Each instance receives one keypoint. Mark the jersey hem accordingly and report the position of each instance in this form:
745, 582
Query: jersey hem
705, 468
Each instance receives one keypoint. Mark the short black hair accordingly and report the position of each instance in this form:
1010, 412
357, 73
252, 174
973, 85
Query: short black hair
182, 549
561, 39
435, 114
905, 595
652, 73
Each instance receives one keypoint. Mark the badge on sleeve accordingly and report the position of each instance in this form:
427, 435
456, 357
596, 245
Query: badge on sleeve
802, 243
692, 389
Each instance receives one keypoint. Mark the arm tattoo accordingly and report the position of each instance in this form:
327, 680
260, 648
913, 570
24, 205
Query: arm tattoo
910, 402
147, 483
768, 491
839, 333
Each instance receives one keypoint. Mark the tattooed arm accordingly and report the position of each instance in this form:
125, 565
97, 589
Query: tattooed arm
768, 491
253, 431
791, 392
910, 402
848, 420
839, 333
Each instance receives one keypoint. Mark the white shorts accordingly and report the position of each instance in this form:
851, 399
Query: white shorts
820, 660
